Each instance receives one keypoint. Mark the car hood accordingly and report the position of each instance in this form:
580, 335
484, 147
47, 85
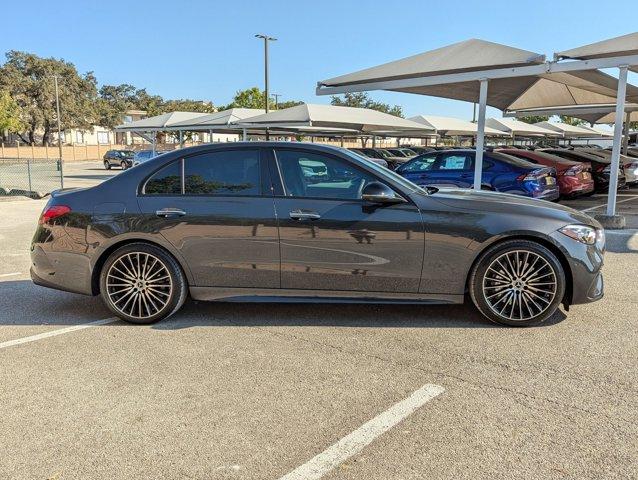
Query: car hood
495, 202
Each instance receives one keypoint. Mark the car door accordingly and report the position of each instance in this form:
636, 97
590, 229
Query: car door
452, 168
216, 208
333, 240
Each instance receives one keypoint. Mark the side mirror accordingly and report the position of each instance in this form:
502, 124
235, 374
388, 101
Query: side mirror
377, 192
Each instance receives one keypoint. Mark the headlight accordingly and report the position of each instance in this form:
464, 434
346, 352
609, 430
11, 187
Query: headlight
581, 233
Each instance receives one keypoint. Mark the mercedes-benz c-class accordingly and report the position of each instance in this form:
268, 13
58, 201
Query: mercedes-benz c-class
269, 221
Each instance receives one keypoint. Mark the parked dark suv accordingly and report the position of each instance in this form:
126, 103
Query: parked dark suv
309, 223
118, 158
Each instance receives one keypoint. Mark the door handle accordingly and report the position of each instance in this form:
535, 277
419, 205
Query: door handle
170, 212
304, 215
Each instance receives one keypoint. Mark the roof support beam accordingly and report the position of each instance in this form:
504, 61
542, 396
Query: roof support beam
480, 135
615, 152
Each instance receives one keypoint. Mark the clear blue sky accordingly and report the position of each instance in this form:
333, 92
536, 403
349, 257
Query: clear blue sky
206, 49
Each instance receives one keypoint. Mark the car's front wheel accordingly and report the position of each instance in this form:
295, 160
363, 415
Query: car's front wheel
517, 283
142, 283
107, 164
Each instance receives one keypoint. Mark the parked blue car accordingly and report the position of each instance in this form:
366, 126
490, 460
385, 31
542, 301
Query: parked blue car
501, 173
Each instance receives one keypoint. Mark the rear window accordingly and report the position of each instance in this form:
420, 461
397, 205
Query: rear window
517, 162
234, 172
166, 181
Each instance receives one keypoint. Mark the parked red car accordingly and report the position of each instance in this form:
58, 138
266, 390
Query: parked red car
574, 178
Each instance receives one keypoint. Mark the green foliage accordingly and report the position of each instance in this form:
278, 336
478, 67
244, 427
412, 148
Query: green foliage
29, 81
363, 100
533, 119
572, 120
254, 98
9, 114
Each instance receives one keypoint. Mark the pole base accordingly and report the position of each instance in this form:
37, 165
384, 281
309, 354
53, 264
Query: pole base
611, 222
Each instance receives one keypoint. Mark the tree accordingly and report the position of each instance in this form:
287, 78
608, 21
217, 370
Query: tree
572, 120
533, 119
114, 101
363, 100
254, 98
186, 105
29, 81
9, 114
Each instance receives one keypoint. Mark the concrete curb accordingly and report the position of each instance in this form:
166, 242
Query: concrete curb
612, 222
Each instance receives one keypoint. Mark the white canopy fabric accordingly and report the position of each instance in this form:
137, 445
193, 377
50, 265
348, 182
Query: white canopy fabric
218, 120
539, 90
613, 47
571, 131
159, 122
515, 128
596, 113
452, 127
330, 117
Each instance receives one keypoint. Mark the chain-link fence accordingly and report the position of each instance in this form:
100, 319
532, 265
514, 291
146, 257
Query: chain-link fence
32, 177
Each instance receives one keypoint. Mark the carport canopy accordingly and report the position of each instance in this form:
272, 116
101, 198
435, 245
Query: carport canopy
565, 130
158, 123
224, 119
593, 113
517, 79
452, 127
516, 128
329, 117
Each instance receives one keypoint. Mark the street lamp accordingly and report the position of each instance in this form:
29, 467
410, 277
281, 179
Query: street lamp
276, 95
266, 39
57, 108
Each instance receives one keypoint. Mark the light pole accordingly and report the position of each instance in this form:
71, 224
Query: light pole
266, 39
276, 95
57, 108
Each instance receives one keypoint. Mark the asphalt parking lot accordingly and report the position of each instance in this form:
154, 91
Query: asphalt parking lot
296, 391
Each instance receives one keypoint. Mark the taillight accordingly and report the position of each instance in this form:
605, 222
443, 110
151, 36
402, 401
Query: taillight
573, 171
53, 211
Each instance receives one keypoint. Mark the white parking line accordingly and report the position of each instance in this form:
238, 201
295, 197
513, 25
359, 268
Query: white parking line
354, 442
54, 333
12, 274
604, 204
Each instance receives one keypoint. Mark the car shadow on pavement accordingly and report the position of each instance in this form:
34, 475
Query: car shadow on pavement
231, 314
24, 303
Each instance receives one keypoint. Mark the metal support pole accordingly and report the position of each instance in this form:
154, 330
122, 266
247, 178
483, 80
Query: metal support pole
625, 138
181, 139
244, 135
153, 144
480, 136
342, 140
374, 141
57, 108
615, 152
29, 173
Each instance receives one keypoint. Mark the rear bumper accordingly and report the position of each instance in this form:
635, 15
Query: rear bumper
571, 186
65, 271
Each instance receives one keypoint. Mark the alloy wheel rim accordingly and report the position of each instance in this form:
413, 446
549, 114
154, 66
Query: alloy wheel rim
519, 285
139, 285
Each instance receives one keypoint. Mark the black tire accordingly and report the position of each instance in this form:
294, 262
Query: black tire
123, 164
518, 288
156, 301
107, 164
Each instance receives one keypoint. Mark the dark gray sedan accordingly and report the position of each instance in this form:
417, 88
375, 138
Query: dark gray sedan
309, 223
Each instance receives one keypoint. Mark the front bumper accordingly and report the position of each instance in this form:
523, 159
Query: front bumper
585, 264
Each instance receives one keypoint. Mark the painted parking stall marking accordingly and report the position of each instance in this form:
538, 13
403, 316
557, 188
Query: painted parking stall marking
356, 441
55, 333
12, 274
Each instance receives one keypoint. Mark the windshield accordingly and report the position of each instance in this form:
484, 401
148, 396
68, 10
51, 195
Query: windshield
384, 172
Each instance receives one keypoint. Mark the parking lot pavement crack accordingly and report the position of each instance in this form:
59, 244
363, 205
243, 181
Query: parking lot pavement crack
613, 420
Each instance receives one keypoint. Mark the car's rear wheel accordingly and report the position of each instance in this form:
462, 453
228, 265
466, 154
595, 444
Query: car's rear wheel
107, 165
123, 165
517, 283
142, 283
